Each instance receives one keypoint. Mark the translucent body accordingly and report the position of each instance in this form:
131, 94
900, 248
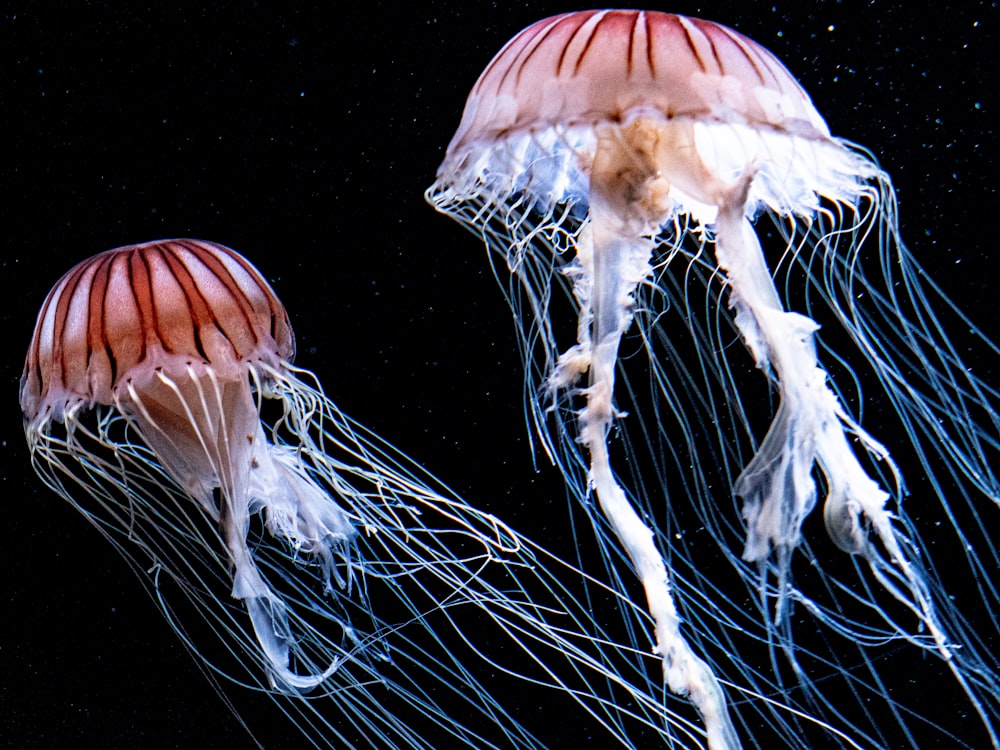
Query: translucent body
292, 550
615, 162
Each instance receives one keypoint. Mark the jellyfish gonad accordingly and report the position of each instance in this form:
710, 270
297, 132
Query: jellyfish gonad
668, 183
292, 550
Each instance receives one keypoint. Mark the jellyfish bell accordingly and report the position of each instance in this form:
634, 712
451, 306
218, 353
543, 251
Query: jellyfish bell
293, 551
690, 101
625, 158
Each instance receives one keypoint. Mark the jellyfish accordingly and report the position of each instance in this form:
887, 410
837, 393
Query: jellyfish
667, 213
293, 551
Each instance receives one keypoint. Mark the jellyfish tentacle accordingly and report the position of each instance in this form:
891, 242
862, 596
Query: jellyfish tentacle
299, 512
811, 427
777, 486
223, 431
613, 258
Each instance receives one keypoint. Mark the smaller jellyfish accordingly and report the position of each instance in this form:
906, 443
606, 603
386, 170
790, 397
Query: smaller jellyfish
617, 162
292, 550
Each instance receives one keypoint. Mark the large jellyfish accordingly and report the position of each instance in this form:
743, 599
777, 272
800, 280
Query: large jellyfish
666, 183
293, 551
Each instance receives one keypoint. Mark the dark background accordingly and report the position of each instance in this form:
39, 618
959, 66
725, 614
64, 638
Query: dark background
303, 136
